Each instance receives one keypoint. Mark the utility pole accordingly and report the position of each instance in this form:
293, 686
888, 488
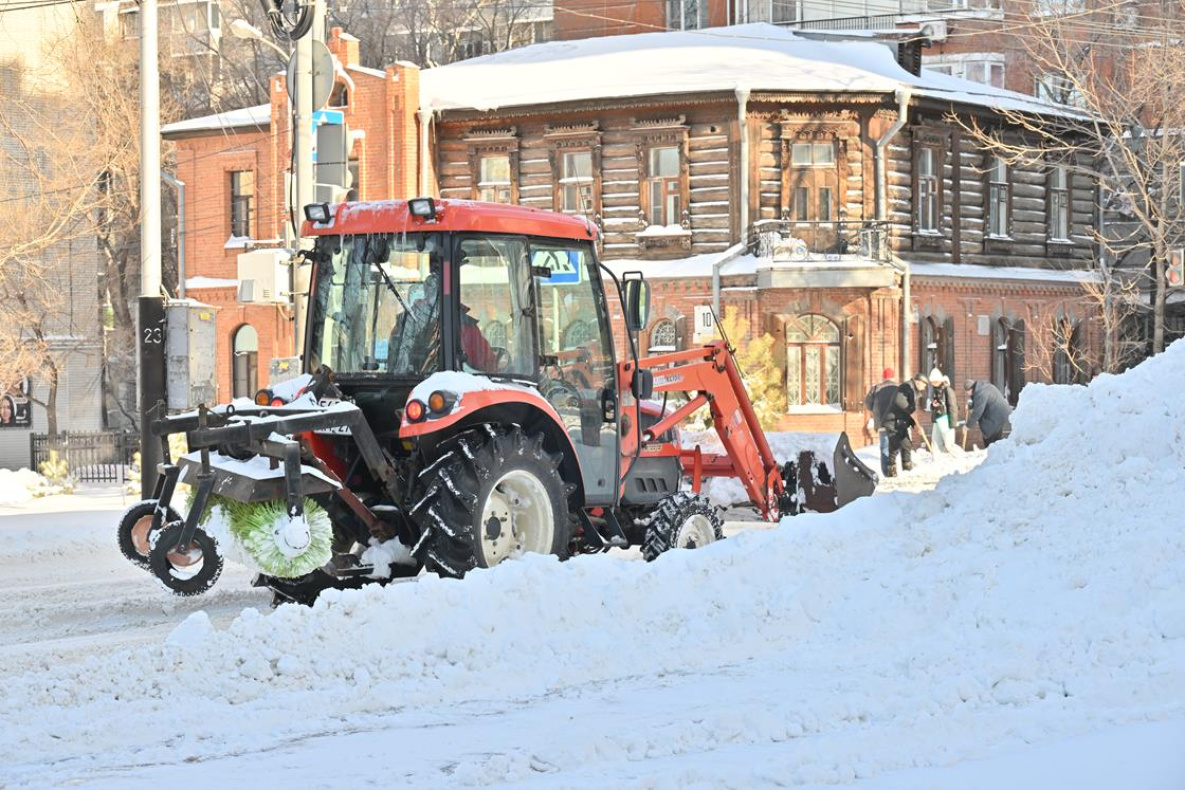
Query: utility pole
306, 188
150, 335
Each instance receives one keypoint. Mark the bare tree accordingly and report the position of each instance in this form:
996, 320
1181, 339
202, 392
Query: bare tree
1121, 81
50, 187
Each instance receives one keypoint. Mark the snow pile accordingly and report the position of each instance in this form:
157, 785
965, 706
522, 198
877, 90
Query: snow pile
19, 486
1039, 595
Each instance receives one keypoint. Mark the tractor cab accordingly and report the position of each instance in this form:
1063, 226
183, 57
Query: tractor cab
496, 307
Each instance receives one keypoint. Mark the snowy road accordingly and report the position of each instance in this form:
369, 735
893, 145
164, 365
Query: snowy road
941, 635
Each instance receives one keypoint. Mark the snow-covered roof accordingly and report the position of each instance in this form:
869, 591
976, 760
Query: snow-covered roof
259, 117
976, 271
757, 56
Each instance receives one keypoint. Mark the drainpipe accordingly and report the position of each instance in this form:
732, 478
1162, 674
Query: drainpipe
180, 186
742, 94
882, 215
425, 116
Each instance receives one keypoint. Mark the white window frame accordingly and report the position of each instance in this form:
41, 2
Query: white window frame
491, 191
960, 65
580, 186
679, 13
1059, 204
927, 197
998, 200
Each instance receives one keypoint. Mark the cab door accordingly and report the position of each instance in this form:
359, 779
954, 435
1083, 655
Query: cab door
576, 361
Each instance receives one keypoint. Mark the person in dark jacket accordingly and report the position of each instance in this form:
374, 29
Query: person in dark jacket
874, 421
987, 408
892, 411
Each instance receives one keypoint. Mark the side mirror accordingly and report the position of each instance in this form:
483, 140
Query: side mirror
636, 295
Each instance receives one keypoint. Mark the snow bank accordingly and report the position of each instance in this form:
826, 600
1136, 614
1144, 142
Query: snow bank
1039, 595
19, 486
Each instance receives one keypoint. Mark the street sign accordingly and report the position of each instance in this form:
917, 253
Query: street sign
323, 75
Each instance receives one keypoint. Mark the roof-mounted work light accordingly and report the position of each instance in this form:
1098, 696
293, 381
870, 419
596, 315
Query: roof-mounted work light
317, 212
424, 208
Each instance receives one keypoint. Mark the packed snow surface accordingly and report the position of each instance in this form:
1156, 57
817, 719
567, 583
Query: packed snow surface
1038, 597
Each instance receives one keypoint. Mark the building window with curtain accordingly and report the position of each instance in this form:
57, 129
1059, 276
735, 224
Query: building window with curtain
242, 202
576, 182
813, 372
245, 362
663, 187
1059, 204
999, 199
927, 190
493, 184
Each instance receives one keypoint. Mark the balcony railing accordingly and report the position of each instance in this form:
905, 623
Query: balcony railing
788, 240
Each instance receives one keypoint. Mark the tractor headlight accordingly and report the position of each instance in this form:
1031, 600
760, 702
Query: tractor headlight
414, 411
317, 212
441, 402
263, 397
424, 208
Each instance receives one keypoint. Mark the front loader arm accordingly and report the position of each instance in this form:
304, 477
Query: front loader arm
710, 377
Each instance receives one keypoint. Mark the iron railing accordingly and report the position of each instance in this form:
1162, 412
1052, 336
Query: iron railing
92, 457
784, 239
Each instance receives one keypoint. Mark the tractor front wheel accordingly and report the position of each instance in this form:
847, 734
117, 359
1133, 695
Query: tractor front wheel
495, 494
681, 521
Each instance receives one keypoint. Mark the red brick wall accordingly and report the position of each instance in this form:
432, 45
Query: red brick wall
593, 18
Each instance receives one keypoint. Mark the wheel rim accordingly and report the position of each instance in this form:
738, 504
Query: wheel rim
695, 531
186, 562
140, 532
517, 517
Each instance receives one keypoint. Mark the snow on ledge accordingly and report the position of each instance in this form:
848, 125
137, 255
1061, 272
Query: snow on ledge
210, 282
975, 271
691, 266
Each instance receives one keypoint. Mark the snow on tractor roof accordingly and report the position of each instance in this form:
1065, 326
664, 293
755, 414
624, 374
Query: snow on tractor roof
460, 216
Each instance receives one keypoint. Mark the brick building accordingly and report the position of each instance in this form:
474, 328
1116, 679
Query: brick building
804, 183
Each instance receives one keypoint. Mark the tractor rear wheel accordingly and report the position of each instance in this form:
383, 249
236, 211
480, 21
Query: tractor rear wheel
681, 521
495, 494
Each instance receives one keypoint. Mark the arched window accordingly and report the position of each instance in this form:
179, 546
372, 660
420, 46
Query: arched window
1069, 353
662, 336
812, 362
1008, 358
937, 346
245, 364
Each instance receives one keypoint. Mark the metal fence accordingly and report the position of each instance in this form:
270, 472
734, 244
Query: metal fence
99, 457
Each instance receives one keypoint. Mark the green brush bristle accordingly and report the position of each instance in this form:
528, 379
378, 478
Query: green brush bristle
253, 526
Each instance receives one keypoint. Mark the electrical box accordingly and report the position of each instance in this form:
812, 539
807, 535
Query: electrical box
264, 276
190, 339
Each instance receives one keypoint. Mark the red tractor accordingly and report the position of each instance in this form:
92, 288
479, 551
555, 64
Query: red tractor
466, 395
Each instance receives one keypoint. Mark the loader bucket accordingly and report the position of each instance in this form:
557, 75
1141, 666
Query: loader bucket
853, 478
814, 486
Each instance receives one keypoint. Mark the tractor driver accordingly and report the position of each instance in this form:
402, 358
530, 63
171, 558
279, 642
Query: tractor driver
414, 343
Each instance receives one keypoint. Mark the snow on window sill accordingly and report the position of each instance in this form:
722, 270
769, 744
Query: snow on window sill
239, 242
664, 230
816, 408
660, 349
1061, 241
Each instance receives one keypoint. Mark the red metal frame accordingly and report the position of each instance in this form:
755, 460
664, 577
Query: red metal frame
710, 375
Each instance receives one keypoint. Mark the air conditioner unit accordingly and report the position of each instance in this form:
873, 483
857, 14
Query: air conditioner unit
935, 31
264, 276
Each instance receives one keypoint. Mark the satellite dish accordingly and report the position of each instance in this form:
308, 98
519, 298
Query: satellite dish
323, 75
